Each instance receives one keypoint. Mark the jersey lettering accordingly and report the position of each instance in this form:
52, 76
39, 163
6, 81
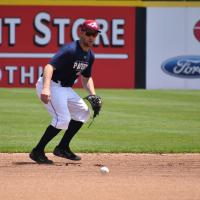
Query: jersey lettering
80, 65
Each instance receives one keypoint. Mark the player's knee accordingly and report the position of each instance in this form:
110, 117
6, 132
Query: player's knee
86, 115
62, 123
82, 116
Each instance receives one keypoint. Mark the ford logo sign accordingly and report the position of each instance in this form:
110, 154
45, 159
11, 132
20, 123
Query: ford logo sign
182, 66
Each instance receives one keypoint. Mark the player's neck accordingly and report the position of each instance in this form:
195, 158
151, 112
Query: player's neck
83, 47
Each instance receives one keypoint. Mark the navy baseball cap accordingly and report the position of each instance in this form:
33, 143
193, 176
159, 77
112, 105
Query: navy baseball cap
91, 25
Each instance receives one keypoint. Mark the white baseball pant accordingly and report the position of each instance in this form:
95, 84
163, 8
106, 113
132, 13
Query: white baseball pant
65, 104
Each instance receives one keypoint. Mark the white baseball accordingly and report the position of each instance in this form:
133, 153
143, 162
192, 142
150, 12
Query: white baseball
104, 170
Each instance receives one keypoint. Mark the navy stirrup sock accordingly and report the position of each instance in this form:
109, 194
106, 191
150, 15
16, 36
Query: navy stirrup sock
49, 134
73, 128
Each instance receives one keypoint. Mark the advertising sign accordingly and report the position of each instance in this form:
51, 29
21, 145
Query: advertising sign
31, 35
173, 48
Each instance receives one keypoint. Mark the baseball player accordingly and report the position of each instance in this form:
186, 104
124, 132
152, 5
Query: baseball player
54, 88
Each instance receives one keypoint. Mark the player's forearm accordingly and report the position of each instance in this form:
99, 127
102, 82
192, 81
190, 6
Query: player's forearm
47, 75
88, 84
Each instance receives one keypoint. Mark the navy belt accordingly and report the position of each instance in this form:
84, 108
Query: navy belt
61, 83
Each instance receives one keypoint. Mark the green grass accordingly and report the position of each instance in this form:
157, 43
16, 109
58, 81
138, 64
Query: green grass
155, 121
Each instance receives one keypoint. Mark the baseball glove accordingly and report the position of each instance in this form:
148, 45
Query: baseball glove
96, 104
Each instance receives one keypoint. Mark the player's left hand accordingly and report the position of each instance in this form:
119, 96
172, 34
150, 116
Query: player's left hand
96, 103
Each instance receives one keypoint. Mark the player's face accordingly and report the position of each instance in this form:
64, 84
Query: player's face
89, 37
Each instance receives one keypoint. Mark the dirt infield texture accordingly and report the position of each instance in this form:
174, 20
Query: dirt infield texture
131, 177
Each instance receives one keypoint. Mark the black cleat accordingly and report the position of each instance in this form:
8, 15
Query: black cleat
39, 157
66, 153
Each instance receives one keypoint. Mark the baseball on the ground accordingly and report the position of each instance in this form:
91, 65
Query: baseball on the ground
104, 170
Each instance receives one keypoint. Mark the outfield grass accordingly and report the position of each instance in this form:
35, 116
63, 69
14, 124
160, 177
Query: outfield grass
156, 121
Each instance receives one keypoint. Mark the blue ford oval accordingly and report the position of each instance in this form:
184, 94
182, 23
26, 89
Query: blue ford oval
182, 66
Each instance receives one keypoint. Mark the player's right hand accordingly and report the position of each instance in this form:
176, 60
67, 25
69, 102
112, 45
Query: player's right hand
45, 96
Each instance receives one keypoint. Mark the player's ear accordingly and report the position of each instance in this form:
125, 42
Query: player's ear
81, 28
80, 31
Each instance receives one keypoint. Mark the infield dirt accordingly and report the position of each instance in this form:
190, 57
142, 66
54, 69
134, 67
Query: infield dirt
131, 177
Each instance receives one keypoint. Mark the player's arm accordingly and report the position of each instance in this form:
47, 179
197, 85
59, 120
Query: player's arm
88, 85
47, 75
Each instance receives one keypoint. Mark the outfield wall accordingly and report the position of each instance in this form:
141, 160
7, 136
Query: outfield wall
173, 48
30, 35
153, 45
